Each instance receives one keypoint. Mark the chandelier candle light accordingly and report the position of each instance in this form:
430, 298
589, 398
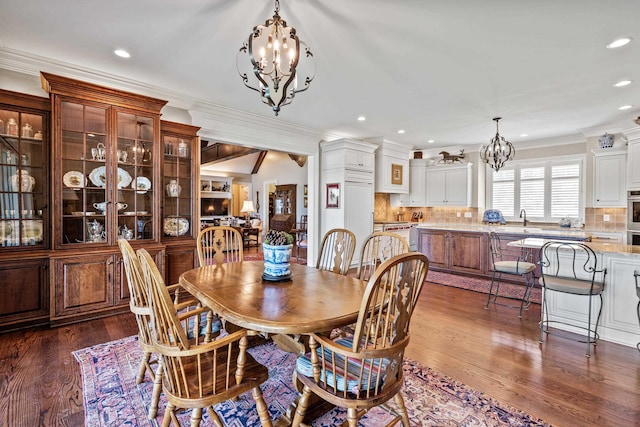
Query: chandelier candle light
498, 151
274, 52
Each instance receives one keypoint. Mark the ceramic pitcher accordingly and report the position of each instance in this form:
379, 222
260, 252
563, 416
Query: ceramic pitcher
22, 181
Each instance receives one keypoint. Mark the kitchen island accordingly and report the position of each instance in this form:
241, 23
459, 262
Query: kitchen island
619, 322
464, 249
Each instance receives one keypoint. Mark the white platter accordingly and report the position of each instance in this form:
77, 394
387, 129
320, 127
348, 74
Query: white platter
142, 184
176, 226
98, 177
73, 179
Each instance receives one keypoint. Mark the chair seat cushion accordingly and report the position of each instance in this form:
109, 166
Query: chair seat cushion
570, 285
372, 369
514, 267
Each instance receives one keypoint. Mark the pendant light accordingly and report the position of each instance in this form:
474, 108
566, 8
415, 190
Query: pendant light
498, 151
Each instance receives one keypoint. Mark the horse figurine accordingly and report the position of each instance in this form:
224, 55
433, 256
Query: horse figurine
452, 158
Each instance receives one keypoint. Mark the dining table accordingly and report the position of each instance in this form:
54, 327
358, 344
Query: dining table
310, 300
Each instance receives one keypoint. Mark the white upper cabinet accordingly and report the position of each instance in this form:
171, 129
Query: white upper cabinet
633, 160
448, 185
392, 166
417, 195
609, 177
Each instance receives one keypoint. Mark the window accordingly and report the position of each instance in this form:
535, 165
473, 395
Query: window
546, 190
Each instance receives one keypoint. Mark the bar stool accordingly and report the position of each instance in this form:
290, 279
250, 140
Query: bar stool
571, 268
509, 262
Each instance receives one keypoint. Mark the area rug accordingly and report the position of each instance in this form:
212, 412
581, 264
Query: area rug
508, 290
112, 397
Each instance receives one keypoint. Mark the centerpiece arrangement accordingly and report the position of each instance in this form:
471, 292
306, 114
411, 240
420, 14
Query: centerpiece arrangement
276, 248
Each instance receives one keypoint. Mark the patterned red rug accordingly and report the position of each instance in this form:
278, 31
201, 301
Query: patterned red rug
112, 397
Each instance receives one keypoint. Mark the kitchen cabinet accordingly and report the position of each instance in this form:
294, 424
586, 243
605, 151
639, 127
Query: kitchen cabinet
392, 167
107, 184
355, 187
417, 195
609, 177
633, 159
24, 209
454, 250
448, 185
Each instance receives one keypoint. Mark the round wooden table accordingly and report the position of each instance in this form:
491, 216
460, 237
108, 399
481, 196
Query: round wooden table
312, 301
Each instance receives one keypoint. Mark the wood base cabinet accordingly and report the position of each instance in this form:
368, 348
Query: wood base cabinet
459, 251
24, 292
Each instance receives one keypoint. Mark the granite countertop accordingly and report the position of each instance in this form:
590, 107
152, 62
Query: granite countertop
602, 248
509, 229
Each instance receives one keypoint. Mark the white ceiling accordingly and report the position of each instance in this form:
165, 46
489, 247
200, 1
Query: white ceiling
438, 69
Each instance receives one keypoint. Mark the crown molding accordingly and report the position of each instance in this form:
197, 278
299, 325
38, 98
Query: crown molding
217, 121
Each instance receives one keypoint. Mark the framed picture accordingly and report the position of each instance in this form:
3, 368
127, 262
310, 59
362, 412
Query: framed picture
396, 174
306, 203
306, 189
333, 196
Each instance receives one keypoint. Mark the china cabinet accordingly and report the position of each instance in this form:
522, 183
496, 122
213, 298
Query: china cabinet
179, 202
24, 209
106, 185
285, 200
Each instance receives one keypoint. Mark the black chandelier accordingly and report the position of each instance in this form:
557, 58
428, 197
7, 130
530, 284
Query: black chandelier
274, 52
498, 151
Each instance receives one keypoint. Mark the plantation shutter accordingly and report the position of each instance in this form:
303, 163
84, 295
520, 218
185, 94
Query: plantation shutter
503, 193
565, 190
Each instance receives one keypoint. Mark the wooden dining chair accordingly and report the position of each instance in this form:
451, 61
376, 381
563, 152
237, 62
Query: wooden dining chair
365, 370
198, 373
378, 247
139, 306
336, 251
219, 244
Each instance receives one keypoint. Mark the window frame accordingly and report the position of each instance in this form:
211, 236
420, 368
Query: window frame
547, 163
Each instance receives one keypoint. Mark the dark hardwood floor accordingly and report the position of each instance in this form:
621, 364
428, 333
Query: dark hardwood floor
490, 350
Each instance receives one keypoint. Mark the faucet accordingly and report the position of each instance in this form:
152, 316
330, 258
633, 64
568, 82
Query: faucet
523, 212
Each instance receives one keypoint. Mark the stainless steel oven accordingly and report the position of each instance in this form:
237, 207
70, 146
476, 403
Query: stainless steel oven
633, 211
633, 238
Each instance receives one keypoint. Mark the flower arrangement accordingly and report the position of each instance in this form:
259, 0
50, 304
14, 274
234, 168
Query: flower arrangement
278, 238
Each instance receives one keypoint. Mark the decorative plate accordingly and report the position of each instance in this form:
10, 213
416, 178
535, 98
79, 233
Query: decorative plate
73, 179
142, 184
31, 232
98, 177
176, 226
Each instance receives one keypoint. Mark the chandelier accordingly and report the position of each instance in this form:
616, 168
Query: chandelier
275, 52
498, 151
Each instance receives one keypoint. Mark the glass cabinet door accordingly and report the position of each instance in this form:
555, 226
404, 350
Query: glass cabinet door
178, 218
23, 179
135, 187
84, 156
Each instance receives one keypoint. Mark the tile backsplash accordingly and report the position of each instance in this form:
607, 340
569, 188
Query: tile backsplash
594, 217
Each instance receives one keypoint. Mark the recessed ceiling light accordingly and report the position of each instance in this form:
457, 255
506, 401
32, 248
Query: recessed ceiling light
400, 130
431, 141
522, 135
361, 118
625, 107
122, 53
619, 42
622, 83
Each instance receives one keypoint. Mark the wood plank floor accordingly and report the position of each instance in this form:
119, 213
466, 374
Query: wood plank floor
490, 350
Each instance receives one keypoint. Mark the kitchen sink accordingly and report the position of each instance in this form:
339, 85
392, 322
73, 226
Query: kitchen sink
518, 230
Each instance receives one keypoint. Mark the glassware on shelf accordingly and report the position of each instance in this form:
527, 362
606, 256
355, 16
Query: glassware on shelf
27, 131
182, 149
12, 127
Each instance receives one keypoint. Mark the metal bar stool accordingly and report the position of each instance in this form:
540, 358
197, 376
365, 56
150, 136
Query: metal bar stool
635, 276
509, 262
